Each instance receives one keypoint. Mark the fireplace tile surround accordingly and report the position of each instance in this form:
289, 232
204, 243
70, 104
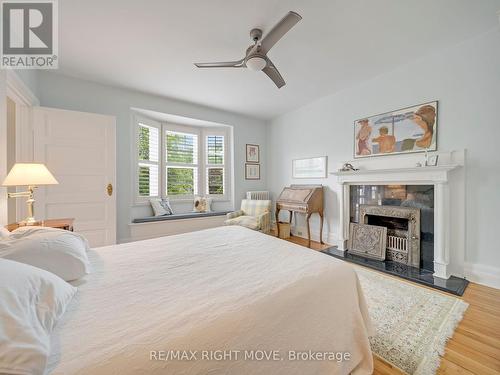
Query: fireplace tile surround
407, 211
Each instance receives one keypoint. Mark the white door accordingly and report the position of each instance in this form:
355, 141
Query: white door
79, 149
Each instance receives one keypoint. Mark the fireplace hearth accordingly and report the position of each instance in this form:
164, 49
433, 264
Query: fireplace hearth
453, 284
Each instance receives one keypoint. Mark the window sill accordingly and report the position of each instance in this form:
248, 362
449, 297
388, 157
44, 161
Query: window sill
186, 216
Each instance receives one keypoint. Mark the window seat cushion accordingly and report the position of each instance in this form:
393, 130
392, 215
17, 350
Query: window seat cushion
187, 215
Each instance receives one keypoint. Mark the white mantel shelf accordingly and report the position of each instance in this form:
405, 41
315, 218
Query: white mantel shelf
398, 170
437, 176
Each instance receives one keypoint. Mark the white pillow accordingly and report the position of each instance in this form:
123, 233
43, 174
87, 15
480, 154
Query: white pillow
31, 302
161, 207
4, 233
58, 251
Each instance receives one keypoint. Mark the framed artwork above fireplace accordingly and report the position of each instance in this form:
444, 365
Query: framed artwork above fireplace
403, 131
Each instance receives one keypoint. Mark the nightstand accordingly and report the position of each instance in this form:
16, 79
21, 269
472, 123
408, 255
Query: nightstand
66, 224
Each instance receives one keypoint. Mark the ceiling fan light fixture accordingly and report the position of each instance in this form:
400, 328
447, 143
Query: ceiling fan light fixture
256, 63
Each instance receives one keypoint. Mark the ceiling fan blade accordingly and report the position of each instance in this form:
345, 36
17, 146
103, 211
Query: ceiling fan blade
223, 64
280, 29
273, 73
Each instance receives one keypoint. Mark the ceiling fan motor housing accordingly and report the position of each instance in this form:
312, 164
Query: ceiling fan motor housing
256, 34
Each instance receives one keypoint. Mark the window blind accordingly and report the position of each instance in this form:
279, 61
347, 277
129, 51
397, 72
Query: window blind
148, 180
182, 181
181, 148
215, 179
148, 155
148, 143
215, 149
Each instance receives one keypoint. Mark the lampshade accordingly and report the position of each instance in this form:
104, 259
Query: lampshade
256, 63
29, 174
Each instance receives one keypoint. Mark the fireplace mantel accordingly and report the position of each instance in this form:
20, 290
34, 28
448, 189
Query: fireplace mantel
437, 176
416, 175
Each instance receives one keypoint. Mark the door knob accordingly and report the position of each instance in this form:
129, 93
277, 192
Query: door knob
109, 189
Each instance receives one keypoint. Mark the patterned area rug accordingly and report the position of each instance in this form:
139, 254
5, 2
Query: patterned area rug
412, 324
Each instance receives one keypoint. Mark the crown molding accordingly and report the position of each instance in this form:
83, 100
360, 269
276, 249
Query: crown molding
19, 90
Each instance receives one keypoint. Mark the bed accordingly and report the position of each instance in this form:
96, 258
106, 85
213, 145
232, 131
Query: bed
226, 300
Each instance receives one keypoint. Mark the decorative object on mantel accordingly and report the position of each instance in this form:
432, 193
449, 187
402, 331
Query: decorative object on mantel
305, 199
348, 167
407, 130
310, 167
253, 153
367, 240
252, 171
432, 160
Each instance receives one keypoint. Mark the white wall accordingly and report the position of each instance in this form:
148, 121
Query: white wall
18, 88
4, 219
64, 92
30, 79
466, 80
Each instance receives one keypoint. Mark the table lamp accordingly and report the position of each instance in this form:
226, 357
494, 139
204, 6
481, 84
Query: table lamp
30, 175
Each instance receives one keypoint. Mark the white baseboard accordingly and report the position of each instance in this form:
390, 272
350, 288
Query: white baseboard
302, 232
482, 274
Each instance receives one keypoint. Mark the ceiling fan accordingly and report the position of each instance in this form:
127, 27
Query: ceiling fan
256, 55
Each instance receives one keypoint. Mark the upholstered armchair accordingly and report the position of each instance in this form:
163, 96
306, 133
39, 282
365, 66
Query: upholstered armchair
254, 214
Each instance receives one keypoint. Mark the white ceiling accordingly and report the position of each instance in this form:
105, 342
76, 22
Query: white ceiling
151, 45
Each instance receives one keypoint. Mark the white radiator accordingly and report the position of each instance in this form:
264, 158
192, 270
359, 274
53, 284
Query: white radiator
258, 195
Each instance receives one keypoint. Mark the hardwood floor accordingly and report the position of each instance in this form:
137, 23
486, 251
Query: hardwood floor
475, 345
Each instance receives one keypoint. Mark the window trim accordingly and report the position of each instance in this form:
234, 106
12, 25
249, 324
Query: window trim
165, 127
205, 133
202, 186
155, 124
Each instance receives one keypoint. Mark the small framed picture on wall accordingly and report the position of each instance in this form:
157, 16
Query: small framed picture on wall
253, 154
252, 171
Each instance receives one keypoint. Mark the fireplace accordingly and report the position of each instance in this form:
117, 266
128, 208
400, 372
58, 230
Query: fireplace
403, 231
407, 211
423, 188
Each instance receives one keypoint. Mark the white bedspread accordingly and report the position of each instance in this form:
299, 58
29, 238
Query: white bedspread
230, 289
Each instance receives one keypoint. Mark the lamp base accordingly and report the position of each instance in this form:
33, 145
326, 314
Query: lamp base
30, 202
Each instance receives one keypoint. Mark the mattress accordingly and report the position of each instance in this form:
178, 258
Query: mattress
226, 300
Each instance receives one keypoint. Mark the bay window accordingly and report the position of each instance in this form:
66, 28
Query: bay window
180, 162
